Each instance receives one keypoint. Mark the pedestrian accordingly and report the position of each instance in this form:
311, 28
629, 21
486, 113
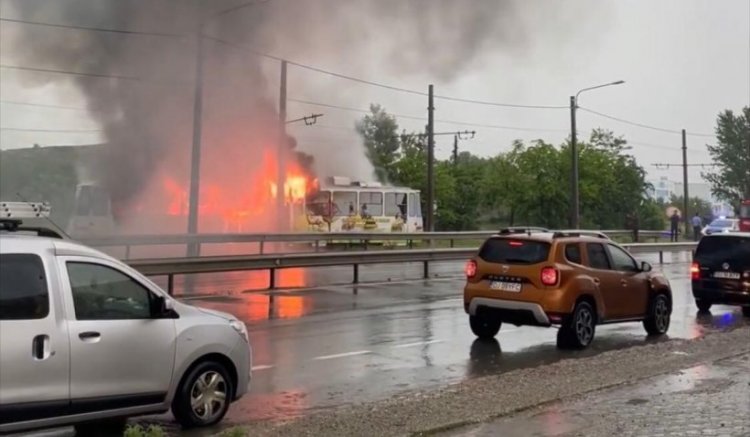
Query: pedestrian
697, 225
674, 226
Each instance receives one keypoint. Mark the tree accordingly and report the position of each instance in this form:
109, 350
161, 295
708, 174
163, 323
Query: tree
379, 131
695, 205
730, 179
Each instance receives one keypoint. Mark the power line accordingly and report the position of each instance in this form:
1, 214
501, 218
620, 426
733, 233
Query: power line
42, 105
91, 29
666, 166
377, 84
413, 117
71, 73
20, 129
642, 125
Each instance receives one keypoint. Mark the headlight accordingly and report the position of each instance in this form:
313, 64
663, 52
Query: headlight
240, 328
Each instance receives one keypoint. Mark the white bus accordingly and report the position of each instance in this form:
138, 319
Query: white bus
342, 205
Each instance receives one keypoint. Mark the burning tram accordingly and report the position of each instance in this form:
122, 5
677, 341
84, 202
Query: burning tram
339, 205
343, 205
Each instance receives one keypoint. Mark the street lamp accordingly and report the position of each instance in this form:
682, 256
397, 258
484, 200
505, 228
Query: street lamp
575, 217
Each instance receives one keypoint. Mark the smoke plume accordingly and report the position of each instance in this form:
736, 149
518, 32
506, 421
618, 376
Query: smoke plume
145, 102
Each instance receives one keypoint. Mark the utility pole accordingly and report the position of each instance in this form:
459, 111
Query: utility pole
195, 157
281, 176
455, 151
430, 225
685, 214
574, 197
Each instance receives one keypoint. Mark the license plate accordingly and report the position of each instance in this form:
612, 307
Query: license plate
726, 275
514, 287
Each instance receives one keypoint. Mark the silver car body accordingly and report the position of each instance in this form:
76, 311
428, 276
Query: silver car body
130, 367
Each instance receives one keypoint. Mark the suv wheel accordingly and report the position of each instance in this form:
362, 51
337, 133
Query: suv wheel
703, 305
577, 330
746, 311
658, 316
484, 327
203, 397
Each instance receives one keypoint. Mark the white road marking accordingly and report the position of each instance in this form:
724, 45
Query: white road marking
345, 354
418, 343
262, 367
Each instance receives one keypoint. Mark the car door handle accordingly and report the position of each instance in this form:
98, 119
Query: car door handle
40, 347
623, 282
89, 335
597, 281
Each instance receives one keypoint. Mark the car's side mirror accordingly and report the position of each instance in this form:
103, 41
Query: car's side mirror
163, 308
646, 267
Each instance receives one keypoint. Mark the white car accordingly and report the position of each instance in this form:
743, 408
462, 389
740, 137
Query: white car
86, 340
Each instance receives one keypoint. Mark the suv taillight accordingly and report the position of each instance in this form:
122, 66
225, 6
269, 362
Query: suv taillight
695, 271
549, 276
471, 269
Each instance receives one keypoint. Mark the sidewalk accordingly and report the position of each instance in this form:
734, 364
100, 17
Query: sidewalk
705, 400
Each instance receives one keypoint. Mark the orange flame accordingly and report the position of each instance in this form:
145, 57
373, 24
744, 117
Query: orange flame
237, 207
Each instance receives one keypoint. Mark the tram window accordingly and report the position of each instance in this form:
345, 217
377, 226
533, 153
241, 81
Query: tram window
371, 203
345, 203
395, 204
318, 204
415, 208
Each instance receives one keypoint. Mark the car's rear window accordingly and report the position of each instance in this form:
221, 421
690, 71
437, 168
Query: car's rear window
723, 248
510, 251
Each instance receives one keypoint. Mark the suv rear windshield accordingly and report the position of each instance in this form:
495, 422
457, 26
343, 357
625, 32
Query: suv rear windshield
722, 248
509, 251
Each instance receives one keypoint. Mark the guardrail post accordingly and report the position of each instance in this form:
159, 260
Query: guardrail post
410, 243
426, 268
127, 251
170, 284
661, 257
261, 247
452, 244
355, 279
365, 243
272, 279
317, 246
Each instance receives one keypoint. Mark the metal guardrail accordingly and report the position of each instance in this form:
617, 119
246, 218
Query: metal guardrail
215, 264
316, 238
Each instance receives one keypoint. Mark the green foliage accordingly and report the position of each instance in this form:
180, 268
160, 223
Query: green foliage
730, 179
529, 185
40, 175
140, 431
695, 205
237, 431
379, 131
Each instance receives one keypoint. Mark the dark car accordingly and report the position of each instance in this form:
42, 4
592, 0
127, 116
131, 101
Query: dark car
721, 271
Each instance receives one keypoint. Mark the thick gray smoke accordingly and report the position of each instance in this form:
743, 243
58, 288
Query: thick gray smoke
146, 110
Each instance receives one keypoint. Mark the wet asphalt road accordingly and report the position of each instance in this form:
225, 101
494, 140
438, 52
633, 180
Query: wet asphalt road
321, 347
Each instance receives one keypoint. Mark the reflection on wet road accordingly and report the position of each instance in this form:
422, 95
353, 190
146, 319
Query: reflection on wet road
321, 347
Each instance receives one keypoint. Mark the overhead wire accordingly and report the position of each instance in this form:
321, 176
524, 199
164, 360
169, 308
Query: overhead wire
642, 125
88, 28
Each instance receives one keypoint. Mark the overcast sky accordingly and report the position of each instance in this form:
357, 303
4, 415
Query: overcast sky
683, 61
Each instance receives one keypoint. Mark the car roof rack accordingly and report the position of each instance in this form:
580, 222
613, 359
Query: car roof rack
579, 233
11, 214
521, 230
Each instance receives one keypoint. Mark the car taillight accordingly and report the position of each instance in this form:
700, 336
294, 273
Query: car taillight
471, 269
549, 276
695, 271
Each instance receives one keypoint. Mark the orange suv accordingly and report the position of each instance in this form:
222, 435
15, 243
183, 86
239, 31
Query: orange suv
572, 279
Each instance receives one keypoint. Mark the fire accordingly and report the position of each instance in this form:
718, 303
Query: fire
239, 204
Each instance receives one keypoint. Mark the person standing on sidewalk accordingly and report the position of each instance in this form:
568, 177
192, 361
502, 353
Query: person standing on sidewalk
674, 226
697, 225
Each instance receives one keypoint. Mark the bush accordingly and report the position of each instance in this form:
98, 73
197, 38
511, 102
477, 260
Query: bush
139, 431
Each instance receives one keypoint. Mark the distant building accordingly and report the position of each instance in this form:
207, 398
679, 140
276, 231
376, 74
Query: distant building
662, 189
